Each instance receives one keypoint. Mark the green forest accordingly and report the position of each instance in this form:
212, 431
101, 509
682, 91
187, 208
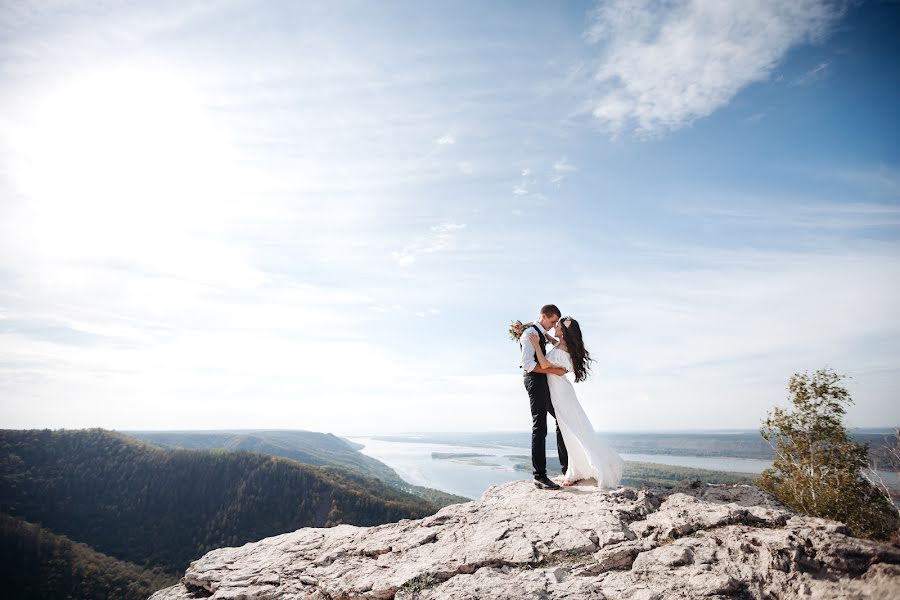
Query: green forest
142, 507
37, 563
308, 447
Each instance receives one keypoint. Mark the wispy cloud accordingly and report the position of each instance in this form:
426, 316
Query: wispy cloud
879, 180
835, 216
445, 140
817, 73
439, 237
533, 185
665, 64
755, 117
523, 187
736, 304
561, 170
735, 323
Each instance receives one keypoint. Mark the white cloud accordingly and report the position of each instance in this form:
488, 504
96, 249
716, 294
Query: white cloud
815, 74
445, 140
728, 327
527, 185
439, 237
755, 117
561, 169
747, 304
665, 64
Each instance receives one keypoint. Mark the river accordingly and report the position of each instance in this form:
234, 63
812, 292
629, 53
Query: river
470, 476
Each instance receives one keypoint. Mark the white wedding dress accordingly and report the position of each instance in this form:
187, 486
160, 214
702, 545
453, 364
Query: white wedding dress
589, 456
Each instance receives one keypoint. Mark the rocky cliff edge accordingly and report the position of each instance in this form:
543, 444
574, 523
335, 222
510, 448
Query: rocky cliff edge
697, 541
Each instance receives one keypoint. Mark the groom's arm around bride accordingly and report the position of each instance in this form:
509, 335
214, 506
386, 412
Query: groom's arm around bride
529, 358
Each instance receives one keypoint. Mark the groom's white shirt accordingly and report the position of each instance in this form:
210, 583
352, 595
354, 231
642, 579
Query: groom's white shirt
529, 360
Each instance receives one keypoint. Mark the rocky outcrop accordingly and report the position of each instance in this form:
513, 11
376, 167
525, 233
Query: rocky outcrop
698, 541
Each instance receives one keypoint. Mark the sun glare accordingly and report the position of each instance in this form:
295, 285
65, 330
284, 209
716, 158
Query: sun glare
111, 162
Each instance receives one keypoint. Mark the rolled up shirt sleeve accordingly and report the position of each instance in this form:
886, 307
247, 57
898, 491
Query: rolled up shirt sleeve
529, 360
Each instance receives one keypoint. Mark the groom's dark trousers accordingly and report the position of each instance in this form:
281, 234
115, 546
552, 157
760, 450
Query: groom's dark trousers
539, 395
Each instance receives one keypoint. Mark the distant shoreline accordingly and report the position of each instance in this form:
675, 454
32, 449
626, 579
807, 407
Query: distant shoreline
678, 448
721, 431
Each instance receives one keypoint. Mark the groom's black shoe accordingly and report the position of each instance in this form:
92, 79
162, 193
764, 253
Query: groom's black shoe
545, 483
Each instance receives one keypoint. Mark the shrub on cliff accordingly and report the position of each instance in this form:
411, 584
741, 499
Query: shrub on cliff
818, 470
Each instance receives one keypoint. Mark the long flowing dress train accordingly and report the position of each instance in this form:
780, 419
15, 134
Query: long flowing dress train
589, 456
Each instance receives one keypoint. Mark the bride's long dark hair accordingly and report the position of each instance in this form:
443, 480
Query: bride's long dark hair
581, 358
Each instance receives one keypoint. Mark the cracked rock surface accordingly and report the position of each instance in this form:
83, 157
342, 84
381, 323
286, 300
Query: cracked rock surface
697, 541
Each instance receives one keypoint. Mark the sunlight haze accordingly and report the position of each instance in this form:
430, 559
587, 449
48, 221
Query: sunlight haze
324, 215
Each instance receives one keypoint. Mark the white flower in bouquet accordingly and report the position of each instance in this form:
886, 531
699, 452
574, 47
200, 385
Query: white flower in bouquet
516, 328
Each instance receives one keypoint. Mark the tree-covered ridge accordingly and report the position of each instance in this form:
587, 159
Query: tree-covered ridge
309, 447
38, 564
161, 507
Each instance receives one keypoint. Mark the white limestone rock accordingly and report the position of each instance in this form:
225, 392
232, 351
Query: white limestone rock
710, 541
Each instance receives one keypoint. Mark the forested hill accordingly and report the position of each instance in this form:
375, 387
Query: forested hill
162, 507
37, 564
311, 447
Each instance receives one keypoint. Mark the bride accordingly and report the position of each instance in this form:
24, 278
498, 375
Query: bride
589, 456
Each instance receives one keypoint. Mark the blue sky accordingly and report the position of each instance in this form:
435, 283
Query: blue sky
323, 215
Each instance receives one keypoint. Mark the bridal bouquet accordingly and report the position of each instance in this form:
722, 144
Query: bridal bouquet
516, 328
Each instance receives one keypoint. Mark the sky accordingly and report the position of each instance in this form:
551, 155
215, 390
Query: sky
324, 215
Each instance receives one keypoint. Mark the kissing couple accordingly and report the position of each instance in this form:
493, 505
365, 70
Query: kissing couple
582, 454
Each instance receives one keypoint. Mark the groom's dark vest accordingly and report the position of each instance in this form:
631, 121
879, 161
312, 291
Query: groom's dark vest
544, 343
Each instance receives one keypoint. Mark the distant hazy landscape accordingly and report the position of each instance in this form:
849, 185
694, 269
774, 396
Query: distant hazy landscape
740, 443
466, 463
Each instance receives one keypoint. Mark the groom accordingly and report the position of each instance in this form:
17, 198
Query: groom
539, 395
